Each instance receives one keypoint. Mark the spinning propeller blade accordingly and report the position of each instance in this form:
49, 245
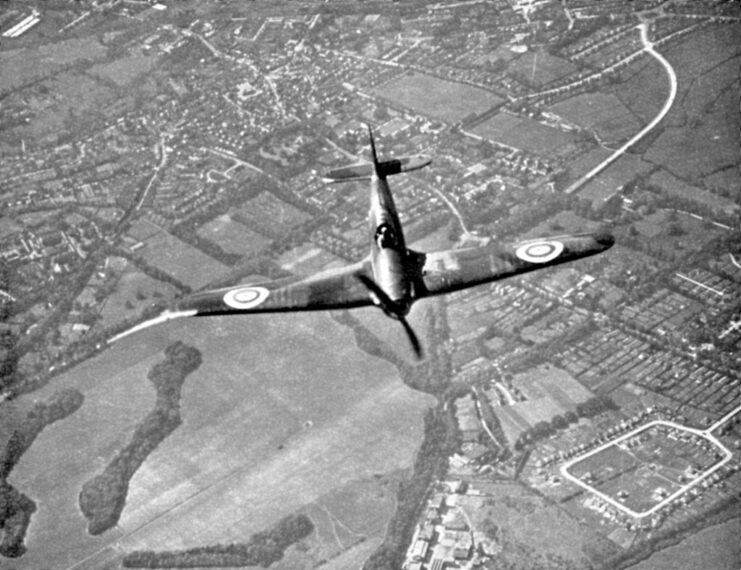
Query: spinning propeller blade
391, 308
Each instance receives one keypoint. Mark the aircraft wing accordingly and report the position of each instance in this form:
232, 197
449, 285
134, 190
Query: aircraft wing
452, 270
364, 170
334, 289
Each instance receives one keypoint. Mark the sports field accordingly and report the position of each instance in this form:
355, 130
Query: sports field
285, 413
232, 236
549, 391
444, 100
525, 134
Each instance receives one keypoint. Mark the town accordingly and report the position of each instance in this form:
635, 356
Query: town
152, 149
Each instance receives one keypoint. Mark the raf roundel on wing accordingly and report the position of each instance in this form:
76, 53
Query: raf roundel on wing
246, 297
540, 252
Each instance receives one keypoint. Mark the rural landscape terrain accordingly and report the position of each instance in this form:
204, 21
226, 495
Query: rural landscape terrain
583, 417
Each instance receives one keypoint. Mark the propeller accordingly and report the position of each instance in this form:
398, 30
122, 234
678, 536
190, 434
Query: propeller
393, 309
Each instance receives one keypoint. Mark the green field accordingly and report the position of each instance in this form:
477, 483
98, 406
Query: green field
443, 100
284, 412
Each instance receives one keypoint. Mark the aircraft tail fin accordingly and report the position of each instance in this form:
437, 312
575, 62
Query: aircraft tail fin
382, 169
376, 165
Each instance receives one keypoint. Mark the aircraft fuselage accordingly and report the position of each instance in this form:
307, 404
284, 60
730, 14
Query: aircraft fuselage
388, 249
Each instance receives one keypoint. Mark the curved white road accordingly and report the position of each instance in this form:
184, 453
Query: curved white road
648, 47
706, 434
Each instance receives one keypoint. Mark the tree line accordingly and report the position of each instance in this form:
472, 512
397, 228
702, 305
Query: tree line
15, 507
102, 499
588, 409
262, 549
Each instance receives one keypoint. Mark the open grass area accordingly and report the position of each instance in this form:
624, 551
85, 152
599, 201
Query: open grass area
20, 66
516, 517
232, 236
526, 134
539, 68
307, 260
125, 70
715, 547
443, 100
283, 412
612, 179
135, 291
184, 262
549, 391
640, 91
603, 113
268, 214
702, 135
676, 187
348, 520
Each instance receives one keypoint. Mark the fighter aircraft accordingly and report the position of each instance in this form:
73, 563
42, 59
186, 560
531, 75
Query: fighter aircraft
392, 277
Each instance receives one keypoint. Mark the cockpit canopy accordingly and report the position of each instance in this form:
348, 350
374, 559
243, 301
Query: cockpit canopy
386, 237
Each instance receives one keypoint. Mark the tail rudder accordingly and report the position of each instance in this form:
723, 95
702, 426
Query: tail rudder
365, 171
376, 165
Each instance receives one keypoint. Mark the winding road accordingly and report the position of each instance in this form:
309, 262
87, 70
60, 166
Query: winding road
648, 47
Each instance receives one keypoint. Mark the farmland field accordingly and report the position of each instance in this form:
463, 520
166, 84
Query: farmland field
613, 178
601, 112
443, 100
284, 413
702, 135
268, 214
641, 92
184, 262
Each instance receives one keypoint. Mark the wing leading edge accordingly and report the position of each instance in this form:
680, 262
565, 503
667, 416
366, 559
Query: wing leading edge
453, 270
334, 289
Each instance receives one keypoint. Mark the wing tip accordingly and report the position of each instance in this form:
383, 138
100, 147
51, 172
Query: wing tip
163, 317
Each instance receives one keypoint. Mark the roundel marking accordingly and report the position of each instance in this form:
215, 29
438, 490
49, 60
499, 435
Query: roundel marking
246, 297
540, 252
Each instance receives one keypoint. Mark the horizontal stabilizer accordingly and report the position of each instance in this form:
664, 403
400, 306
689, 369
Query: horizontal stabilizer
364, 170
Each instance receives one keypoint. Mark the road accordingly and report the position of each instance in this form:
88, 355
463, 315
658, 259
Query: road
707, 434
648, 47
160, 166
